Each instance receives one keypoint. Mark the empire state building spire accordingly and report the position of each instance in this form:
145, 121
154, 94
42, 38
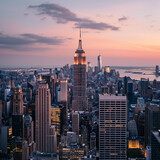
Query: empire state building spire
80, 42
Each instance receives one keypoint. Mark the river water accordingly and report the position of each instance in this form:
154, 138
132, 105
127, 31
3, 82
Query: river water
147, 73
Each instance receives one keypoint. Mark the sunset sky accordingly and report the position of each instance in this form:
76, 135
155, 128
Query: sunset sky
38, 32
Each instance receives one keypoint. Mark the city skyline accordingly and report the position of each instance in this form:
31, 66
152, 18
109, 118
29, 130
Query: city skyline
79, 111
127, 32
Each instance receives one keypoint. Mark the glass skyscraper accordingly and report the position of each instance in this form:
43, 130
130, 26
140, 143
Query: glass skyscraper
112, 127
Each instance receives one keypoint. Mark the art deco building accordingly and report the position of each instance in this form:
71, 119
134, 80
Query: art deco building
80, 101
45, 133
112, 127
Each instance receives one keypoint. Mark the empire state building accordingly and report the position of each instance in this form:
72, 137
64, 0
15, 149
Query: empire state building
80, 100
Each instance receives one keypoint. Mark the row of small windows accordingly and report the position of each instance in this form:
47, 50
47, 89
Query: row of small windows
110, 121
111, 134
103, 118
103, 105
112, 103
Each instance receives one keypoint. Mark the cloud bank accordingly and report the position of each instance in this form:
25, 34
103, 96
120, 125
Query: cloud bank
26, 41
63, 15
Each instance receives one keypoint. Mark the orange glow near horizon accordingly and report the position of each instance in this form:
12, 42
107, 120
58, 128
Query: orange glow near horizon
134, 40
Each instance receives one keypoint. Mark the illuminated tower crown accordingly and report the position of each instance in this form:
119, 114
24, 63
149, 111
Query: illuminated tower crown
80, 57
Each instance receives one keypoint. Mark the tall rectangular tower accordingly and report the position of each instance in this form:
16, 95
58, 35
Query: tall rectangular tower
45, 141
18, 101
80, 101
0, 115
75, 122
63, 91
112, 127
99, 63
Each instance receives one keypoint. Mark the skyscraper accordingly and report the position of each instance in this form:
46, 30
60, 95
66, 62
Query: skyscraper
89, 68
157, 70
75, 123
80, 101
99, 63
112, 127
56, 119
63, 91
155, 145
144, 88
52, 89
0, 115
45, 133
63, 100
7, 142
18, 125
18, 101
152, 121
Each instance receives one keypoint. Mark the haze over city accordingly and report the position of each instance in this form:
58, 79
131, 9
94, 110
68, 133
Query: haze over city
125, 33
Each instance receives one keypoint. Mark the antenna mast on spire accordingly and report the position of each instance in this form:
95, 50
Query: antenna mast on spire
80, 33
80, 41
99, 53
